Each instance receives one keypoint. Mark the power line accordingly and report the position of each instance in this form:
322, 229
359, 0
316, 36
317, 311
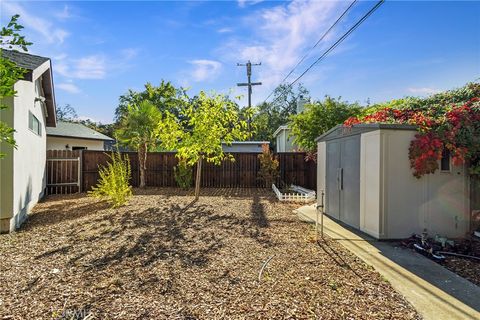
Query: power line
340, 40
315, 45
319, 40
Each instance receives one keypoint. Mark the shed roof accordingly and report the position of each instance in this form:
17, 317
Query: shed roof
342, 131
24, 60
75, 130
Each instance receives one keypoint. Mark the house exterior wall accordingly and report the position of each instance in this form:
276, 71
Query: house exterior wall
59, 143
243, 147
284, 143
27, 185
6, 171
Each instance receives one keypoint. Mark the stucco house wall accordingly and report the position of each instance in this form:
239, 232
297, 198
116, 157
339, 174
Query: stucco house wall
60, 143
23, 170
23, 173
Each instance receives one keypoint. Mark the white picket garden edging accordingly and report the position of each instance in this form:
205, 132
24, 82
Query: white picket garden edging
299, 194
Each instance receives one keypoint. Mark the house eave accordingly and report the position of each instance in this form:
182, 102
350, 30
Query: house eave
78, 138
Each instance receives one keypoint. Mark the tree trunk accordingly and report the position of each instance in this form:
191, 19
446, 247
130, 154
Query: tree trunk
198, 178
142, 161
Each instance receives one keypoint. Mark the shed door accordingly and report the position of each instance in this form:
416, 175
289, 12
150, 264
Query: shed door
343, 180
350, 175
332, 199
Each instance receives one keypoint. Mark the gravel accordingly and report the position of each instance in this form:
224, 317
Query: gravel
164, 256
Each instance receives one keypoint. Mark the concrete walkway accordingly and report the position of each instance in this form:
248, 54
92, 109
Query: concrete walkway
435, 292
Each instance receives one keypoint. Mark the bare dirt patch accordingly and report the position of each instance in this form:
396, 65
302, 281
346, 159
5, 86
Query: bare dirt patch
164, 256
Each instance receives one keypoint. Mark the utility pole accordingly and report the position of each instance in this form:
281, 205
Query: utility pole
249, 84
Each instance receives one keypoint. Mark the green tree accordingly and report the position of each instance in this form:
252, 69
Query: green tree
165, 97
69, 114
139, 129
66, 113
319, 117
205, 123
10, 73
270, 115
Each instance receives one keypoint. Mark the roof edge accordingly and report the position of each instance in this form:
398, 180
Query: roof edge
377, 126
282, 127
79, 138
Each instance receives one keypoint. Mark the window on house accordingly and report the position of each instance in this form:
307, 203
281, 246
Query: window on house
445, 161
79, 148
34, 124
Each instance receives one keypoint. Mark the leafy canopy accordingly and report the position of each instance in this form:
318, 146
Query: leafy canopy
319, 117
165, 97
10, 73
204, 124
140, 125
270, 115
448, 123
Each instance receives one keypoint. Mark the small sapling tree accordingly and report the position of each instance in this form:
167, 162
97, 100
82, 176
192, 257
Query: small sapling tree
269, 171
203, 126
139, 129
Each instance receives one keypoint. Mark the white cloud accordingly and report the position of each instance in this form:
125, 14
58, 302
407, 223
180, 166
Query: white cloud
68, 87
243, 3
129, 53
89, 67
423, 91
225, 30
282, 35
205, 69
43, 26
64, 14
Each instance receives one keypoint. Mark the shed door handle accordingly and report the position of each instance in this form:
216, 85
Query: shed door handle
339, 178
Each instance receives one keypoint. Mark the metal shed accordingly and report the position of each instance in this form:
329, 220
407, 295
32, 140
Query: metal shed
365, 173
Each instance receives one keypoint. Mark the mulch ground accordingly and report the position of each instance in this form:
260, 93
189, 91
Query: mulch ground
465, 267
164, 256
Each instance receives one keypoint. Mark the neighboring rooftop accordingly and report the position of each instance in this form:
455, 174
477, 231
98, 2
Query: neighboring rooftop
284, 127
24, 60
250, 142
75, 130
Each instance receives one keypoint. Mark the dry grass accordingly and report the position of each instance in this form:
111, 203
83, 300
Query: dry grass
166, 257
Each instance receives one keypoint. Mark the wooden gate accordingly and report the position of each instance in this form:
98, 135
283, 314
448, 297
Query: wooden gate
63, 171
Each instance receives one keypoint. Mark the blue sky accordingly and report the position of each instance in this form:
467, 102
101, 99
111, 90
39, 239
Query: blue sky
101, 49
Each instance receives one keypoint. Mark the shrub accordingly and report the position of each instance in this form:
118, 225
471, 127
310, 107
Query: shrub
183, 174
269, 171
113, 185
445, 123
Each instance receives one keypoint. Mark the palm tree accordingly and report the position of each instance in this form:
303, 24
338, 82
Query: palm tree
139, 129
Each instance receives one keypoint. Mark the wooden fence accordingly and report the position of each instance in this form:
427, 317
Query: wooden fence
243, 172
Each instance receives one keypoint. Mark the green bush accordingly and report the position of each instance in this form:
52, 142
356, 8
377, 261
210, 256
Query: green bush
183, 174
113, 185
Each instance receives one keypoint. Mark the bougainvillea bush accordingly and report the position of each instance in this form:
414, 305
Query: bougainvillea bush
447, 122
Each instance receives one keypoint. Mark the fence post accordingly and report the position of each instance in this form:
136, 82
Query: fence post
80, 171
